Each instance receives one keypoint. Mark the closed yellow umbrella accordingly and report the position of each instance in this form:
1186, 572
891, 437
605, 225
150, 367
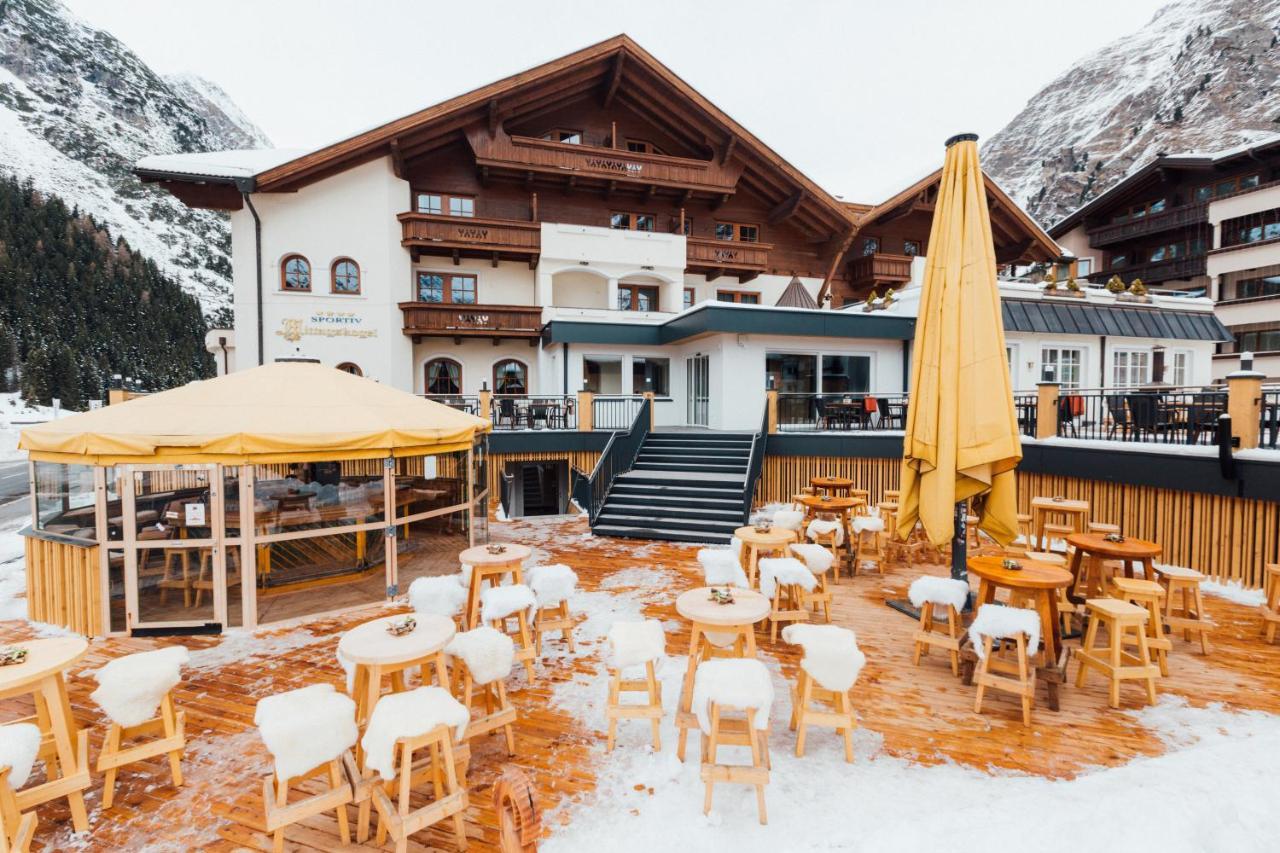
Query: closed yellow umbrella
962, 430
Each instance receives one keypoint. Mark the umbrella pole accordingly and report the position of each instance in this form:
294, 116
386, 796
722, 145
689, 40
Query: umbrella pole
960, 549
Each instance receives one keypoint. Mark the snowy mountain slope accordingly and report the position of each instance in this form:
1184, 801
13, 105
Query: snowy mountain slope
1202, 75
78, 108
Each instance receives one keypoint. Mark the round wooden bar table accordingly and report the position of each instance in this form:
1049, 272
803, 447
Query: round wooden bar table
1039, 582
706, 616
377, 653
40, 676
755, 543
1095, 548
832, 485
841, 506
493, 568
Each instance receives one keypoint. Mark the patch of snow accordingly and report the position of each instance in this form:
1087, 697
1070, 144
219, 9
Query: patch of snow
239, 644
220, 164
1234, 591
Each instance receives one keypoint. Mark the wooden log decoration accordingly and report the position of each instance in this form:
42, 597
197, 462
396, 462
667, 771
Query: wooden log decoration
519, 820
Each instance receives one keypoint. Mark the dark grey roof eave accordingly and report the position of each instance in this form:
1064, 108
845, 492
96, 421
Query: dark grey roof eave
1064, 317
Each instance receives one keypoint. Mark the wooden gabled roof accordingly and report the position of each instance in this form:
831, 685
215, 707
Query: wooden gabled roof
616, 68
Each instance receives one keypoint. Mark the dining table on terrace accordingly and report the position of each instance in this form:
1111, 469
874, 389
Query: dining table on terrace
376, 653
492, 563
1093, 549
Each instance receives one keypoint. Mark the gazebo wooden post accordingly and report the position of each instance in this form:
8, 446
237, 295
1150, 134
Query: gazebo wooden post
471, 496
248, 551
389, 502
102, 532
218, 519
129, 512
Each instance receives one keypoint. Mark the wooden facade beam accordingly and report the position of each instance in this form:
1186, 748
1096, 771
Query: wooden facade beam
786, 209
397, 159
495, 117
727, 151
615, 78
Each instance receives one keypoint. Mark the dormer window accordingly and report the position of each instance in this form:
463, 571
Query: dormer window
560, 134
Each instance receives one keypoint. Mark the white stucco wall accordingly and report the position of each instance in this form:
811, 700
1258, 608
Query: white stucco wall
1025, 369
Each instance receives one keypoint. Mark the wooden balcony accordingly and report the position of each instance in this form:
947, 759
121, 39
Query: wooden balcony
1154, 273
879, 270
470, 237
526, 156
1167, 220
445, 320
714, 258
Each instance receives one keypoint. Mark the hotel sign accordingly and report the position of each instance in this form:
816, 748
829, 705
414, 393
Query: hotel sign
325, 324
614, 166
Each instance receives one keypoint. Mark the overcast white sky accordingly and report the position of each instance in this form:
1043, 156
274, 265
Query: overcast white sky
859, 95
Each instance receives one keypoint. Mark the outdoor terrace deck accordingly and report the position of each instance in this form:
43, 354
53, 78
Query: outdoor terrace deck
923, 714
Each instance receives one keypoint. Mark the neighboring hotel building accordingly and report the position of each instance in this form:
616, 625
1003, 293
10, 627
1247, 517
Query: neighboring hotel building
590, 223
1199, 223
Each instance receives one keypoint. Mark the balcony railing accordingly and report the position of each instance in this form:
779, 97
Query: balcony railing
1157, 272
1167, 220
1128, 414
442, 319
614, 412
1270, 421
436, 234
728, 256
463, 403
879, 269
534, 412
852, 411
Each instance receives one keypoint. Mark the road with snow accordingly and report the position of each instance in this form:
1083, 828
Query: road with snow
13, 492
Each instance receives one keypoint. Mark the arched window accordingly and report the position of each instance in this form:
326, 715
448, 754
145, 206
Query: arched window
351, 367
443, 376
295, 273
510, 377
346, 276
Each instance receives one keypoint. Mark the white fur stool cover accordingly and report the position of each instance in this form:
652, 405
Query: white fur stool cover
788, 519
19, 743
305, 728
486, 651
734, 682
499, 602
1000, 622
438, 596
831, 654
816, 557
935, 590
823, 526
867, 524
785, 571
130, 688
634, 643
722, 567
552, 584
403, 715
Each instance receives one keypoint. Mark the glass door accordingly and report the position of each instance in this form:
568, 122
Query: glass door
699, 389
174, 548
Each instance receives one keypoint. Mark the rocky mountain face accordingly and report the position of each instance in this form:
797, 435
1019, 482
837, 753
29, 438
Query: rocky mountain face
1203, 75
78, 108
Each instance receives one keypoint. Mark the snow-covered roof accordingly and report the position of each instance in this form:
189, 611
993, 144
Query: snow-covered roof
219, 164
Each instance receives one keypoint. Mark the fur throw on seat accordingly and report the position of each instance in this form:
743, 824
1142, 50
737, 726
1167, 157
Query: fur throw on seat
305, 728
131, 687
1001, 622
867, 524
438, 596
499, 602
935, 590
464, 576
721, 567
552, 584
732, 683
19, 743
634, 643
831, 654
824, 526
407, 715
786, 571
816, 557
788, 519
487, 652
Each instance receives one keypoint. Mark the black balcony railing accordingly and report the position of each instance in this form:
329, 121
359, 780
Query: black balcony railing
614, 412
1025, 405
1270, 425
1129, 414
536, 412
817, 412
462, 402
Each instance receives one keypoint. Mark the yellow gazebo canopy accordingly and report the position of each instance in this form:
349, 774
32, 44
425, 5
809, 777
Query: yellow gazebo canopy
282, 412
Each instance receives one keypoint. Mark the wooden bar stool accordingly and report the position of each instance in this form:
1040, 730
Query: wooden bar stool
721, 688
1150, 595
1103, 528
632, 644
864, 527
1026, 529
1271, 609
828, 670
819, 560
552, 585
499, 605
828, 538
927, 594
1056, 531
426, 720
131, 689
785, 581
19, 745
483, 658
1187, 616
441, 595
1002, 666
308, 732
722, 567
1125, 624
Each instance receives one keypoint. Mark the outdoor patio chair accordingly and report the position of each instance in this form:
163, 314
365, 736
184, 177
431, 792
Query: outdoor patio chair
1126, 625
1118, 415
928, 594
819, 561
868, 413
866, 527
1150, 595
131, 690
508, 414
828, 670
1148, 416
499, 605
723, 689
1202, 418
785, 581
633, 644
1187, 616
552, 585
1005, 638
19, 746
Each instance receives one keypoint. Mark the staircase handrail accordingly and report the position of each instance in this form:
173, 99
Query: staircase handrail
755, 463
617, 458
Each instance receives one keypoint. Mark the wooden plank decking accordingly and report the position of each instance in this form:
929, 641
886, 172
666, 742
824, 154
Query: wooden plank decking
921, 713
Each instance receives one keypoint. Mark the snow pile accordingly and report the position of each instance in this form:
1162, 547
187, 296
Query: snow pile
307, 727
239, 645
130, 688
1235, 591
406, 715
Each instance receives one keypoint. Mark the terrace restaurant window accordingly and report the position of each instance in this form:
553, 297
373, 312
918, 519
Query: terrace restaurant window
844, 374
1061, 365
345, 275
1131, 368
633, 221
442, 287
792, 373
637, 297
295, 273
443, 376
1226, 187
737, 232
602, 374
510, 377
650, 374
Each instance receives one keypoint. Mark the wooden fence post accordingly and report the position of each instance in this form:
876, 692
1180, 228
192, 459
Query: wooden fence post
649, 395
1046, 409
585, 415
1244, 405
486, 404
772, 397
